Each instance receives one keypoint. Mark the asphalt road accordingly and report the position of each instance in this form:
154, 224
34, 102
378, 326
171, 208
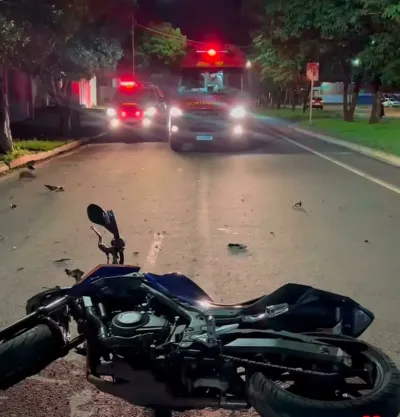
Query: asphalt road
345, 238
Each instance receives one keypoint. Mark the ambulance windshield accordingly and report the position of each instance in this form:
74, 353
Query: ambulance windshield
211, 81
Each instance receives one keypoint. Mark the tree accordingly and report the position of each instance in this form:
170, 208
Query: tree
90, 51
313, 30
380, 59
59, 42
278, 72
11, 37
161, 45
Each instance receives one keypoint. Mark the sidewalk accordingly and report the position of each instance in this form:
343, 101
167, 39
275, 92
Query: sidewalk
381, 141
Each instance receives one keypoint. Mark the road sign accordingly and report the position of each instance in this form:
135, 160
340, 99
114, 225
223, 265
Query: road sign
313, 71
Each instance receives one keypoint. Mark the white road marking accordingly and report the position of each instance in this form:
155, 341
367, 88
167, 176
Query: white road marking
356, 171
203, 228
153, 253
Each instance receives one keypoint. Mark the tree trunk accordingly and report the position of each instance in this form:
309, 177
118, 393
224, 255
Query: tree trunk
377, 104
6, 142
287, 96
62, 93
354, 98
349, 106
293, 98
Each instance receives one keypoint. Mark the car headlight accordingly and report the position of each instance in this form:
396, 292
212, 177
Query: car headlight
175, 112
111, 112
151, 111
238, 112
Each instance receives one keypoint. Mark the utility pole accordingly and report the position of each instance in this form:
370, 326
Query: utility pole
133, 46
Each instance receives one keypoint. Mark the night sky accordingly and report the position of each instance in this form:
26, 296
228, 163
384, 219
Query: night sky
200, 20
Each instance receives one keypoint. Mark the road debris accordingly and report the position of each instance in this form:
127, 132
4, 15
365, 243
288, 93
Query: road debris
298, 205
58, 261
77, 274
13, 206
55, 188
237, 247
272, 234
366, 241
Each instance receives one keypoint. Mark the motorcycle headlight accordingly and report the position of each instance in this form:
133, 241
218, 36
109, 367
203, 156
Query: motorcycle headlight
111, 112
151, 111
238, 112
175, 112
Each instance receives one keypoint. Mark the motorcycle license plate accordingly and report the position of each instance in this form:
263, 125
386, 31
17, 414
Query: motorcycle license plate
204, 137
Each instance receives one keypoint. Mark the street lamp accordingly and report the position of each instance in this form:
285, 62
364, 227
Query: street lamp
355, 62
248, 64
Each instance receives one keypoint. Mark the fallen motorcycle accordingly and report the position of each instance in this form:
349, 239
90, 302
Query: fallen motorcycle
293, 352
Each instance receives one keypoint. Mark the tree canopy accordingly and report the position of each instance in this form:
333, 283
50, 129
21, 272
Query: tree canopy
161, 44
335, 33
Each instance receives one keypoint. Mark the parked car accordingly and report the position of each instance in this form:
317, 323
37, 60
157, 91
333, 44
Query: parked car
317, 103
390, 102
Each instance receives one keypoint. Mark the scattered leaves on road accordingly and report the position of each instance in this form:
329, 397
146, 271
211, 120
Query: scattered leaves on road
58, 261
77, 274
298, 205
55, 188
237, 247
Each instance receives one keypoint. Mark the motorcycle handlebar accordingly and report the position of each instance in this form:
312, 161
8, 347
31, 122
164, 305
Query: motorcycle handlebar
28, 353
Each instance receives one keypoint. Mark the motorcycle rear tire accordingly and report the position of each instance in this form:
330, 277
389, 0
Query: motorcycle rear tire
269, 399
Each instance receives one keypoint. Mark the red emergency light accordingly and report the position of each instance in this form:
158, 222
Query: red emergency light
212, 52
128, 84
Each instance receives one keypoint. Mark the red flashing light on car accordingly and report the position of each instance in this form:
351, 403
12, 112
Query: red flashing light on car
212, 52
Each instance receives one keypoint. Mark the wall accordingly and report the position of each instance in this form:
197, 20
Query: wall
20, 98
332, 93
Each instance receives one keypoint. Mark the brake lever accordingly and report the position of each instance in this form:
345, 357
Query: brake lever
115, 250
105, 249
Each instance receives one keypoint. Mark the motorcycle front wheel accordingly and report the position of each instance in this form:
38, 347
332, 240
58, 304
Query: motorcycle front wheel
378, 395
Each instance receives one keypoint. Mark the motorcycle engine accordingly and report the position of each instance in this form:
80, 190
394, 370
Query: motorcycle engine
131, 323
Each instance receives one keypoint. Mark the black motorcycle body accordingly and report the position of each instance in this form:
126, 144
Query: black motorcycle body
166, 335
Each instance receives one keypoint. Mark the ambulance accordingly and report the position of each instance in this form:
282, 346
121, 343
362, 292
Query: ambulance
211, 105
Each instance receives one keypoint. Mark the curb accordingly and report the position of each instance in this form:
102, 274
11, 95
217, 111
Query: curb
41, 156
364, 150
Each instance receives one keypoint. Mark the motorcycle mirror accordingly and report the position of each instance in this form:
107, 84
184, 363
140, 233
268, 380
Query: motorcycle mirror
103, 218
97, 215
